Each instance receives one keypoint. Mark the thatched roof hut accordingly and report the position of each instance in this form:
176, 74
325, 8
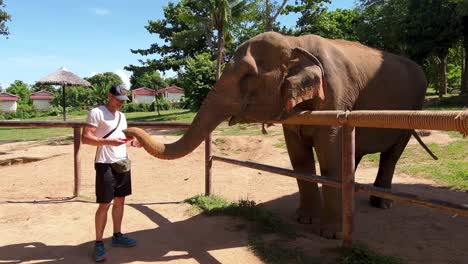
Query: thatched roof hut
63, 77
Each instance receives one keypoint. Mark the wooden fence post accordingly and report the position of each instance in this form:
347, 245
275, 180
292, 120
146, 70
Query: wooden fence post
77, 160
348, 185
208, 164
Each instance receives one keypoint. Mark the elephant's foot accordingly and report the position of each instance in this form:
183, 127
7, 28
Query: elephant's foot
331, 231
307, 217
330, 234
380, 202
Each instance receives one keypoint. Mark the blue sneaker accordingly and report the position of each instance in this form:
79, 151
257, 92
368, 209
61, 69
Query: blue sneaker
123, 241
99, 252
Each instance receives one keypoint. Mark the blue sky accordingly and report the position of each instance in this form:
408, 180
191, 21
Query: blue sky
84, 36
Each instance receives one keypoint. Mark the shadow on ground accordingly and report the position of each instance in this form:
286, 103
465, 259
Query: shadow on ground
189, 239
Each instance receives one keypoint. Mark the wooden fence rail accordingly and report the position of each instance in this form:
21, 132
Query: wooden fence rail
433, 120
77, 126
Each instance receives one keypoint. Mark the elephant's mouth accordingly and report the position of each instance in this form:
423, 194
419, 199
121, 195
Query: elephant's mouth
242, 120
236, 120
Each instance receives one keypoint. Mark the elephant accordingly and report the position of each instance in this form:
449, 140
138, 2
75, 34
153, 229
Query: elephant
272, 76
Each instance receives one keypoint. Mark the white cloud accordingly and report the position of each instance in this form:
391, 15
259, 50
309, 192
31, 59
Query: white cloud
124, 75
101, 11
4, 85
92, 74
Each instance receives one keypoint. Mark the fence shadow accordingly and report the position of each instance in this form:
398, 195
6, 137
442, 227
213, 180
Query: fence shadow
192, 238
416, 234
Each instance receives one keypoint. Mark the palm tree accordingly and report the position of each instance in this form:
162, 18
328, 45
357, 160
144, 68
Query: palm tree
217, 15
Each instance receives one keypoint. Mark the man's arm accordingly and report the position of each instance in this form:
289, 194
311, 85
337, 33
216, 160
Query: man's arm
89, 137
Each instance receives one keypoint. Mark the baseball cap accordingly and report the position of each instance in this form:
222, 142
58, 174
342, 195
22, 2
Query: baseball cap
119, 91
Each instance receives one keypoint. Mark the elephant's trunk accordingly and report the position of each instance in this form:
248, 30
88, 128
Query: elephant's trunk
211, 114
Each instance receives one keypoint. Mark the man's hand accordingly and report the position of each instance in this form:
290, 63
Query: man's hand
115, 141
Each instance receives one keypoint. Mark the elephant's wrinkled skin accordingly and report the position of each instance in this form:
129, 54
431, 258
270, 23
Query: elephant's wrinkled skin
272, 76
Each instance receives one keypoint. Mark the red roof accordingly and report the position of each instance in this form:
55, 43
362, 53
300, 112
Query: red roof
143, 91
42, 95
8, 97
171, 89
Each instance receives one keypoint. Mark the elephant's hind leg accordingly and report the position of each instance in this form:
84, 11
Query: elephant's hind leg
302, 160
387, 164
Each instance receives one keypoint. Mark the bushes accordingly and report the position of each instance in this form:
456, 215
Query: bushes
135, 107
163, 104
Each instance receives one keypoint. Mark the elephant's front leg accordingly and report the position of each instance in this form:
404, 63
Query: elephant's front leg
302, 160
328, 148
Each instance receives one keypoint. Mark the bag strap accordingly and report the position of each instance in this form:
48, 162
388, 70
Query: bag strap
108, 134
112, 131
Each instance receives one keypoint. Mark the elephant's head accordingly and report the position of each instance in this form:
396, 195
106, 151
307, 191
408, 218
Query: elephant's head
267, 77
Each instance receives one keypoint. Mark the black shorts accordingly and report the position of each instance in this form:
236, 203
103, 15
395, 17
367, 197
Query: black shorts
110, 184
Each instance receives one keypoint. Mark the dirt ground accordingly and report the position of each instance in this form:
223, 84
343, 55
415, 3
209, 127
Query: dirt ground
39, 225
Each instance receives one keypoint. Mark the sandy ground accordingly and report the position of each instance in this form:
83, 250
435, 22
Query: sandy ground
37, 225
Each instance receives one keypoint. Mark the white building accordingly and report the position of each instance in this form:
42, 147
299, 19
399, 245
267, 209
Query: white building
143, 95
146, 95
41, 99
8, 102
172, 93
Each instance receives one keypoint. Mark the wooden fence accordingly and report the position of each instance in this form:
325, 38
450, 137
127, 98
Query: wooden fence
431, 120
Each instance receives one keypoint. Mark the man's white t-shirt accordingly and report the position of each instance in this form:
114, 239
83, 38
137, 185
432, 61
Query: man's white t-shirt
104, 121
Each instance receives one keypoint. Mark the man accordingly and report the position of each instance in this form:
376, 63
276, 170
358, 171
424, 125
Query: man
104, 130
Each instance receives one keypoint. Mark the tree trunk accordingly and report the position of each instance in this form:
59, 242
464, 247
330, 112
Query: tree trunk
442, 74
464, 77
464, 82
268, 18
63, 103
219, 60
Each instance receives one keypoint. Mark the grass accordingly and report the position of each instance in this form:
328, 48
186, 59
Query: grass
29, 134
450, 170
263, 222
361, 254
448, 102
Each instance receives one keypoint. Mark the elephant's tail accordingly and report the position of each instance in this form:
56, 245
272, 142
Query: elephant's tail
418, 138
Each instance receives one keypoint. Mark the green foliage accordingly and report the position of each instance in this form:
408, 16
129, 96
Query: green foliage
104, 79
76, 96
451, 169
20, 89
4, 17
381, 24
265, 221
278, 250
189, 28
22, 134
98, 94
361, 254
198, 79
171, 30
149, 79
43, 87
311, 11
136, 107
336, 24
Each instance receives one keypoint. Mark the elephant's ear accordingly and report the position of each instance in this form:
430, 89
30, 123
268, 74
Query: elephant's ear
305, 79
